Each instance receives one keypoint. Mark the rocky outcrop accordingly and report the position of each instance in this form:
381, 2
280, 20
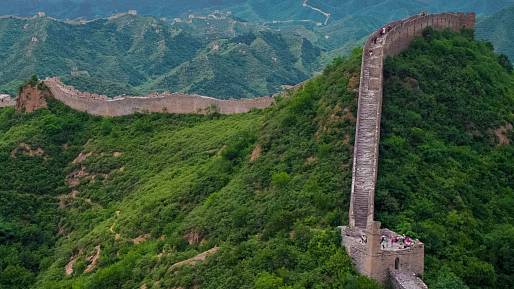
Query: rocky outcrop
32, 97
27, 150
196, 259
93, 260
502, 134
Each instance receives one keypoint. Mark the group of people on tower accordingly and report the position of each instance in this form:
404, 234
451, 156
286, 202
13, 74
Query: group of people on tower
396, 242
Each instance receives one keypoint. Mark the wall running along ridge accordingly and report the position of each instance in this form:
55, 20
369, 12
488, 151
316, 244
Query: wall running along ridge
367, 134
179, 103
399, 265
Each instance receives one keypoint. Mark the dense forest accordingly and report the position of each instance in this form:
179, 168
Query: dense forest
447, 158
93, 202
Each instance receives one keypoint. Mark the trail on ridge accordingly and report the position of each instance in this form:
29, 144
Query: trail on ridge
326, 14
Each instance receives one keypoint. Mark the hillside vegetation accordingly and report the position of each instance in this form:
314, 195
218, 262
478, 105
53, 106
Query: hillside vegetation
263, 192
137, 55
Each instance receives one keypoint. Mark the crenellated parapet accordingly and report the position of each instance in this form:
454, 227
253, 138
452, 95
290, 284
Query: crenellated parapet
361, 238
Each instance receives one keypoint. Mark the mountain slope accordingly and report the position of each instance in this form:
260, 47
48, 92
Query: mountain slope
154, 190
263, 192
499, 30
447, 156
135, 55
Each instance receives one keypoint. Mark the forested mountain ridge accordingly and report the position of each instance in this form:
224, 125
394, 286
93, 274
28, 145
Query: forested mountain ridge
130, 54
251, 10
122, 201
290, 40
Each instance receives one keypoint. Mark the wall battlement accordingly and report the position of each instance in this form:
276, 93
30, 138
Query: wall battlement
179, 103
403, 266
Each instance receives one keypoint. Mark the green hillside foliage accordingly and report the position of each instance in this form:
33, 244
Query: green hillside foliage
499, 30
188, 184
444, 177
267, 187
137, 55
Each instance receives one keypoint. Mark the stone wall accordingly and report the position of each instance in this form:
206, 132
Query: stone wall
163, 102
403, 32
406, 280
371, 260
397, 38
6, 101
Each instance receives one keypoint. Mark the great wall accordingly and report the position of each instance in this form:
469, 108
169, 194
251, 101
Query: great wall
398, 264
102, 105
6, 101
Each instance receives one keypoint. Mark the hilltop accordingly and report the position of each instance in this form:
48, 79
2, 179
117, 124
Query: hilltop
120, 202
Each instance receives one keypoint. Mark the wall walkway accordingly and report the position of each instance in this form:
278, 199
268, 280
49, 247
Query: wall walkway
397, 38
362, 239
164, 102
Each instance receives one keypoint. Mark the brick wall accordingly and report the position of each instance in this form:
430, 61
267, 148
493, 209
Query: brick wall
164, 102
7, 101
371, 260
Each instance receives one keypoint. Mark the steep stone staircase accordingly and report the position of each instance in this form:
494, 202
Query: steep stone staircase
367, 137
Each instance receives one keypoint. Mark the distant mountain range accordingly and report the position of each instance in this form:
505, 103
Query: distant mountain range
129, 54
243, 49
251, 10
499, 29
